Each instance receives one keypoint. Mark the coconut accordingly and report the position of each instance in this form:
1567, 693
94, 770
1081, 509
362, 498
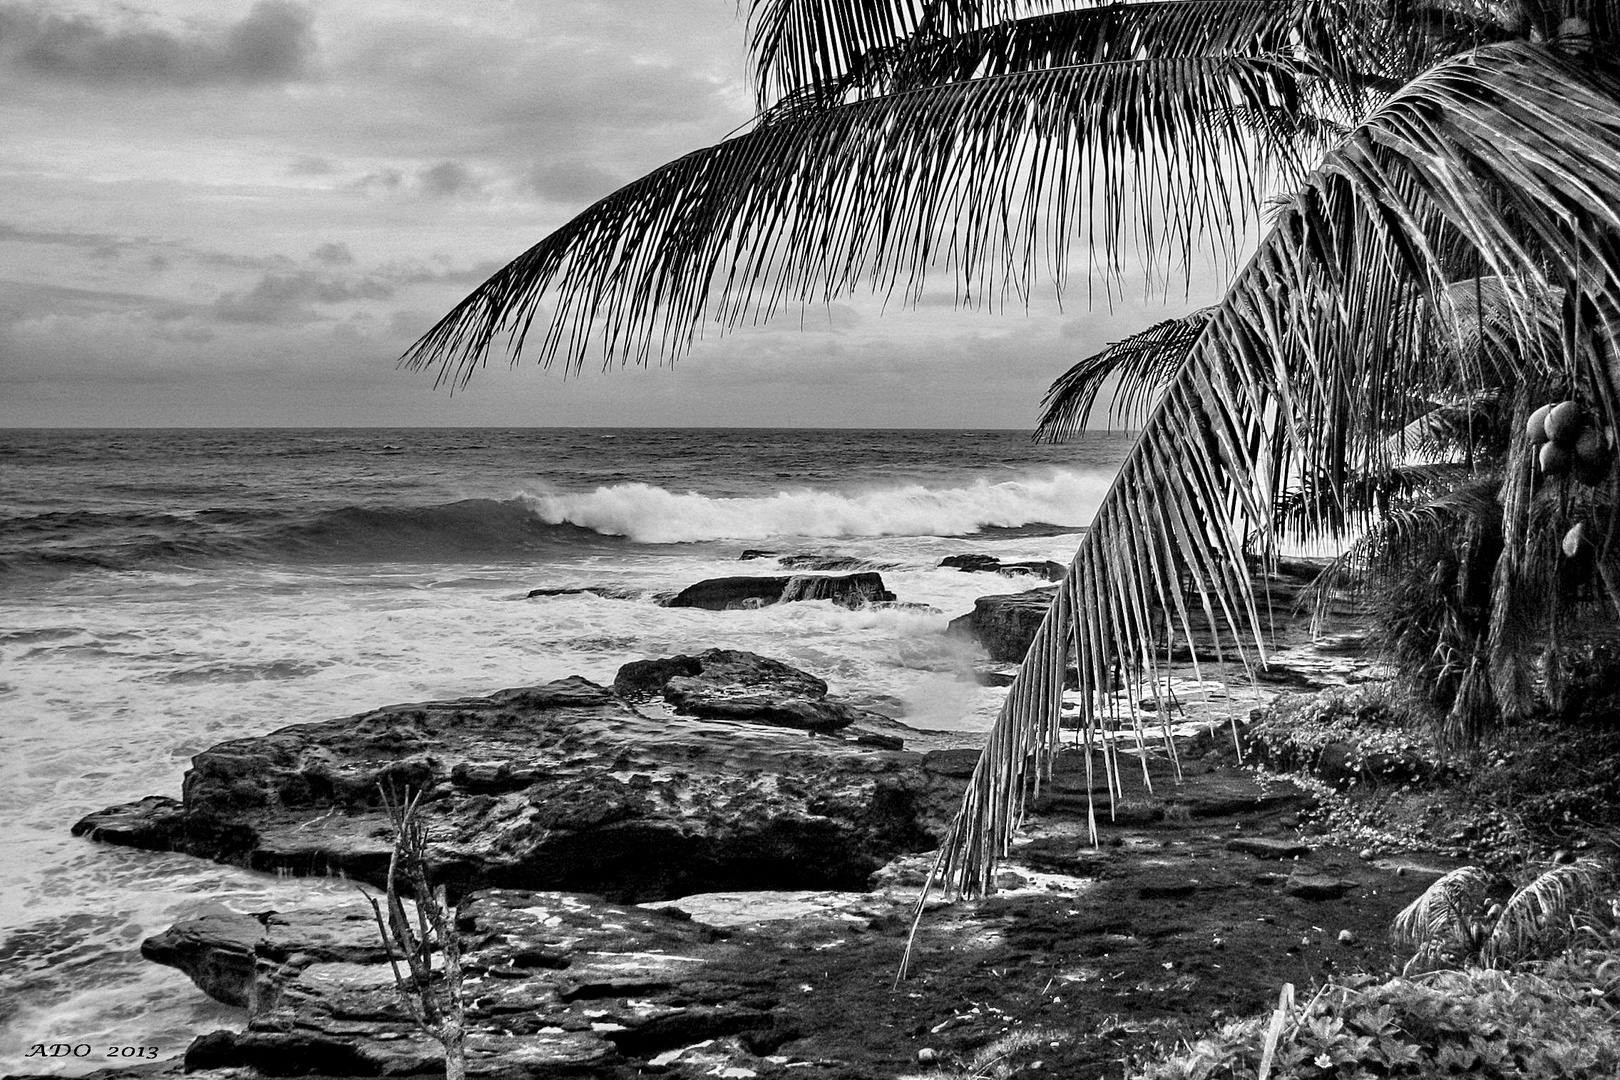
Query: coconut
1574, 539
1536, 429
1592, 457
1565, 421
1553, 459
1575, 35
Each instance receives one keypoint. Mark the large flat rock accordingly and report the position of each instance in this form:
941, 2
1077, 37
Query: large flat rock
562, 786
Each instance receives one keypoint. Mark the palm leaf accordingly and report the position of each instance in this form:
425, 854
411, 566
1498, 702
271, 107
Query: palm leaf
1442, 917
1140, 365
1544, 913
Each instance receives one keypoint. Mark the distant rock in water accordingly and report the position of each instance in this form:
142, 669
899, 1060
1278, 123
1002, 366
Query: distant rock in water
974, 563
606, 592
1006, 624
727, 593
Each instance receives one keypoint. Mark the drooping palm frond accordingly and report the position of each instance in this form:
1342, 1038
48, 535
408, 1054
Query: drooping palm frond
1299, 372
994, 178
1140, 365
1442, 919
1544, 915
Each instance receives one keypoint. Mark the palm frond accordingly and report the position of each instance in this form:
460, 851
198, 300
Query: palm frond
1141, 365
1515, 151
1442, 917
995, 179
1544, 914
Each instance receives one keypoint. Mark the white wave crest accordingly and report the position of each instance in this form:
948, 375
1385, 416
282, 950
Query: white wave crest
654, 515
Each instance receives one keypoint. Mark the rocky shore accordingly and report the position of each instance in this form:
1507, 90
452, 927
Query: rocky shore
708, 869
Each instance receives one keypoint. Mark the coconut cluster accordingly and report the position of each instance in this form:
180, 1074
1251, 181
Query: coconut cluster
1570, 442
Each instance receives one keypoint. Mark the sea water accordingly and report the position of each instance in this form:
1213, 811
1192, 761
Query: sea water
161, 591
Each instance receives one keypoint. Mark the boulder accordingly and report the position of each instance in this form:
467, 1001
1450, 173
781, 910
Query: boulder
726, 684
728, 593
1316, 885
1006, 624
850, 590
569, 786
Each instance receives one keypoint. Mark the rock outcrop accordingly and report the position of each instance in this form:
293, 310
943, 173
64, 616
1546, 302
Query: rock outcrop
569, 786
727, 593
1005, 624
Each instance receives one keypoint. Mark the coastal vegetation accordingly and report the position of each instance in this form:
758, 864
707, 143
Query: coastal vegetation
1438, 185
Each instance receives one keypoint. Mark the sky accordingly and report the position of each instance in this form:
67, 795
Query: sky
242, 212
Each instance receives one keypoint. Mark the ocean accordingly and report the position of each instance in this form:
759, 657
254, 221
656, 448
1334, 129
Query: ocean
161, 591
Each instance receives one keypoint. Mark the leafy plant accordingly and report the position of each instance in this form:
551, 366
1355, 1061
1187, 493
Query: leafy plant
1450, 924
1495, 1025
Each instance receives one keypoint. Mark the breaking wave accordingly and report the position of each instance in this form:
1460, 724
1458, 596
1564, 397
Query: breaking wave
655, 515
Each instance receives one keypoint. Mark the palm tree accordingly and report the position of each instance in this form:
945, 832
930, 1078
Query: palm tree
1394, 150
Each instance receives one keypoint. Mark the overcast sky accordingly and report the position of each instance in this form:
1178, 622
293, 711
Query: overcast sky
228, 212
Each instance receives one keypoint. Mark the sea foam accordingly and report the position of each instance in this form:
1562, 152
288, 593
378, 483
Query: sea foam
655, 515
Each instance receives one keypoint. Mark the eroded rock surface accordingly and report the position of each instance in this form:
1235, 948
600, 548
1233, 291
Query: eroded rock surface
568, 786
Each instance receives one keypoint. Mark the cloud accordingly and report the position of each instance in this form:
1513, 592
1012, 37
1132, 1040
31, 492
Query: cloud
448, 179
273, 43
574, 182
333, 254
309, 165
292, 297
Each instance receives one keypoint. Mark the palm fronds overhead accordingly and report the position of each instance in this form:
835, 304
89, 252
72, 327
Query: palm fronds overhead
992, 178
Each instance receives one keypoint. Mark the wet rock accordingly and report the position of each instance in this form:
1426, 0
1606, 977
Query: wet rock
607, 592
727, 684
1314, 885
631, 986
850, 590
569, 786
727, 593
1005, 624
974, 563
1265, 847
